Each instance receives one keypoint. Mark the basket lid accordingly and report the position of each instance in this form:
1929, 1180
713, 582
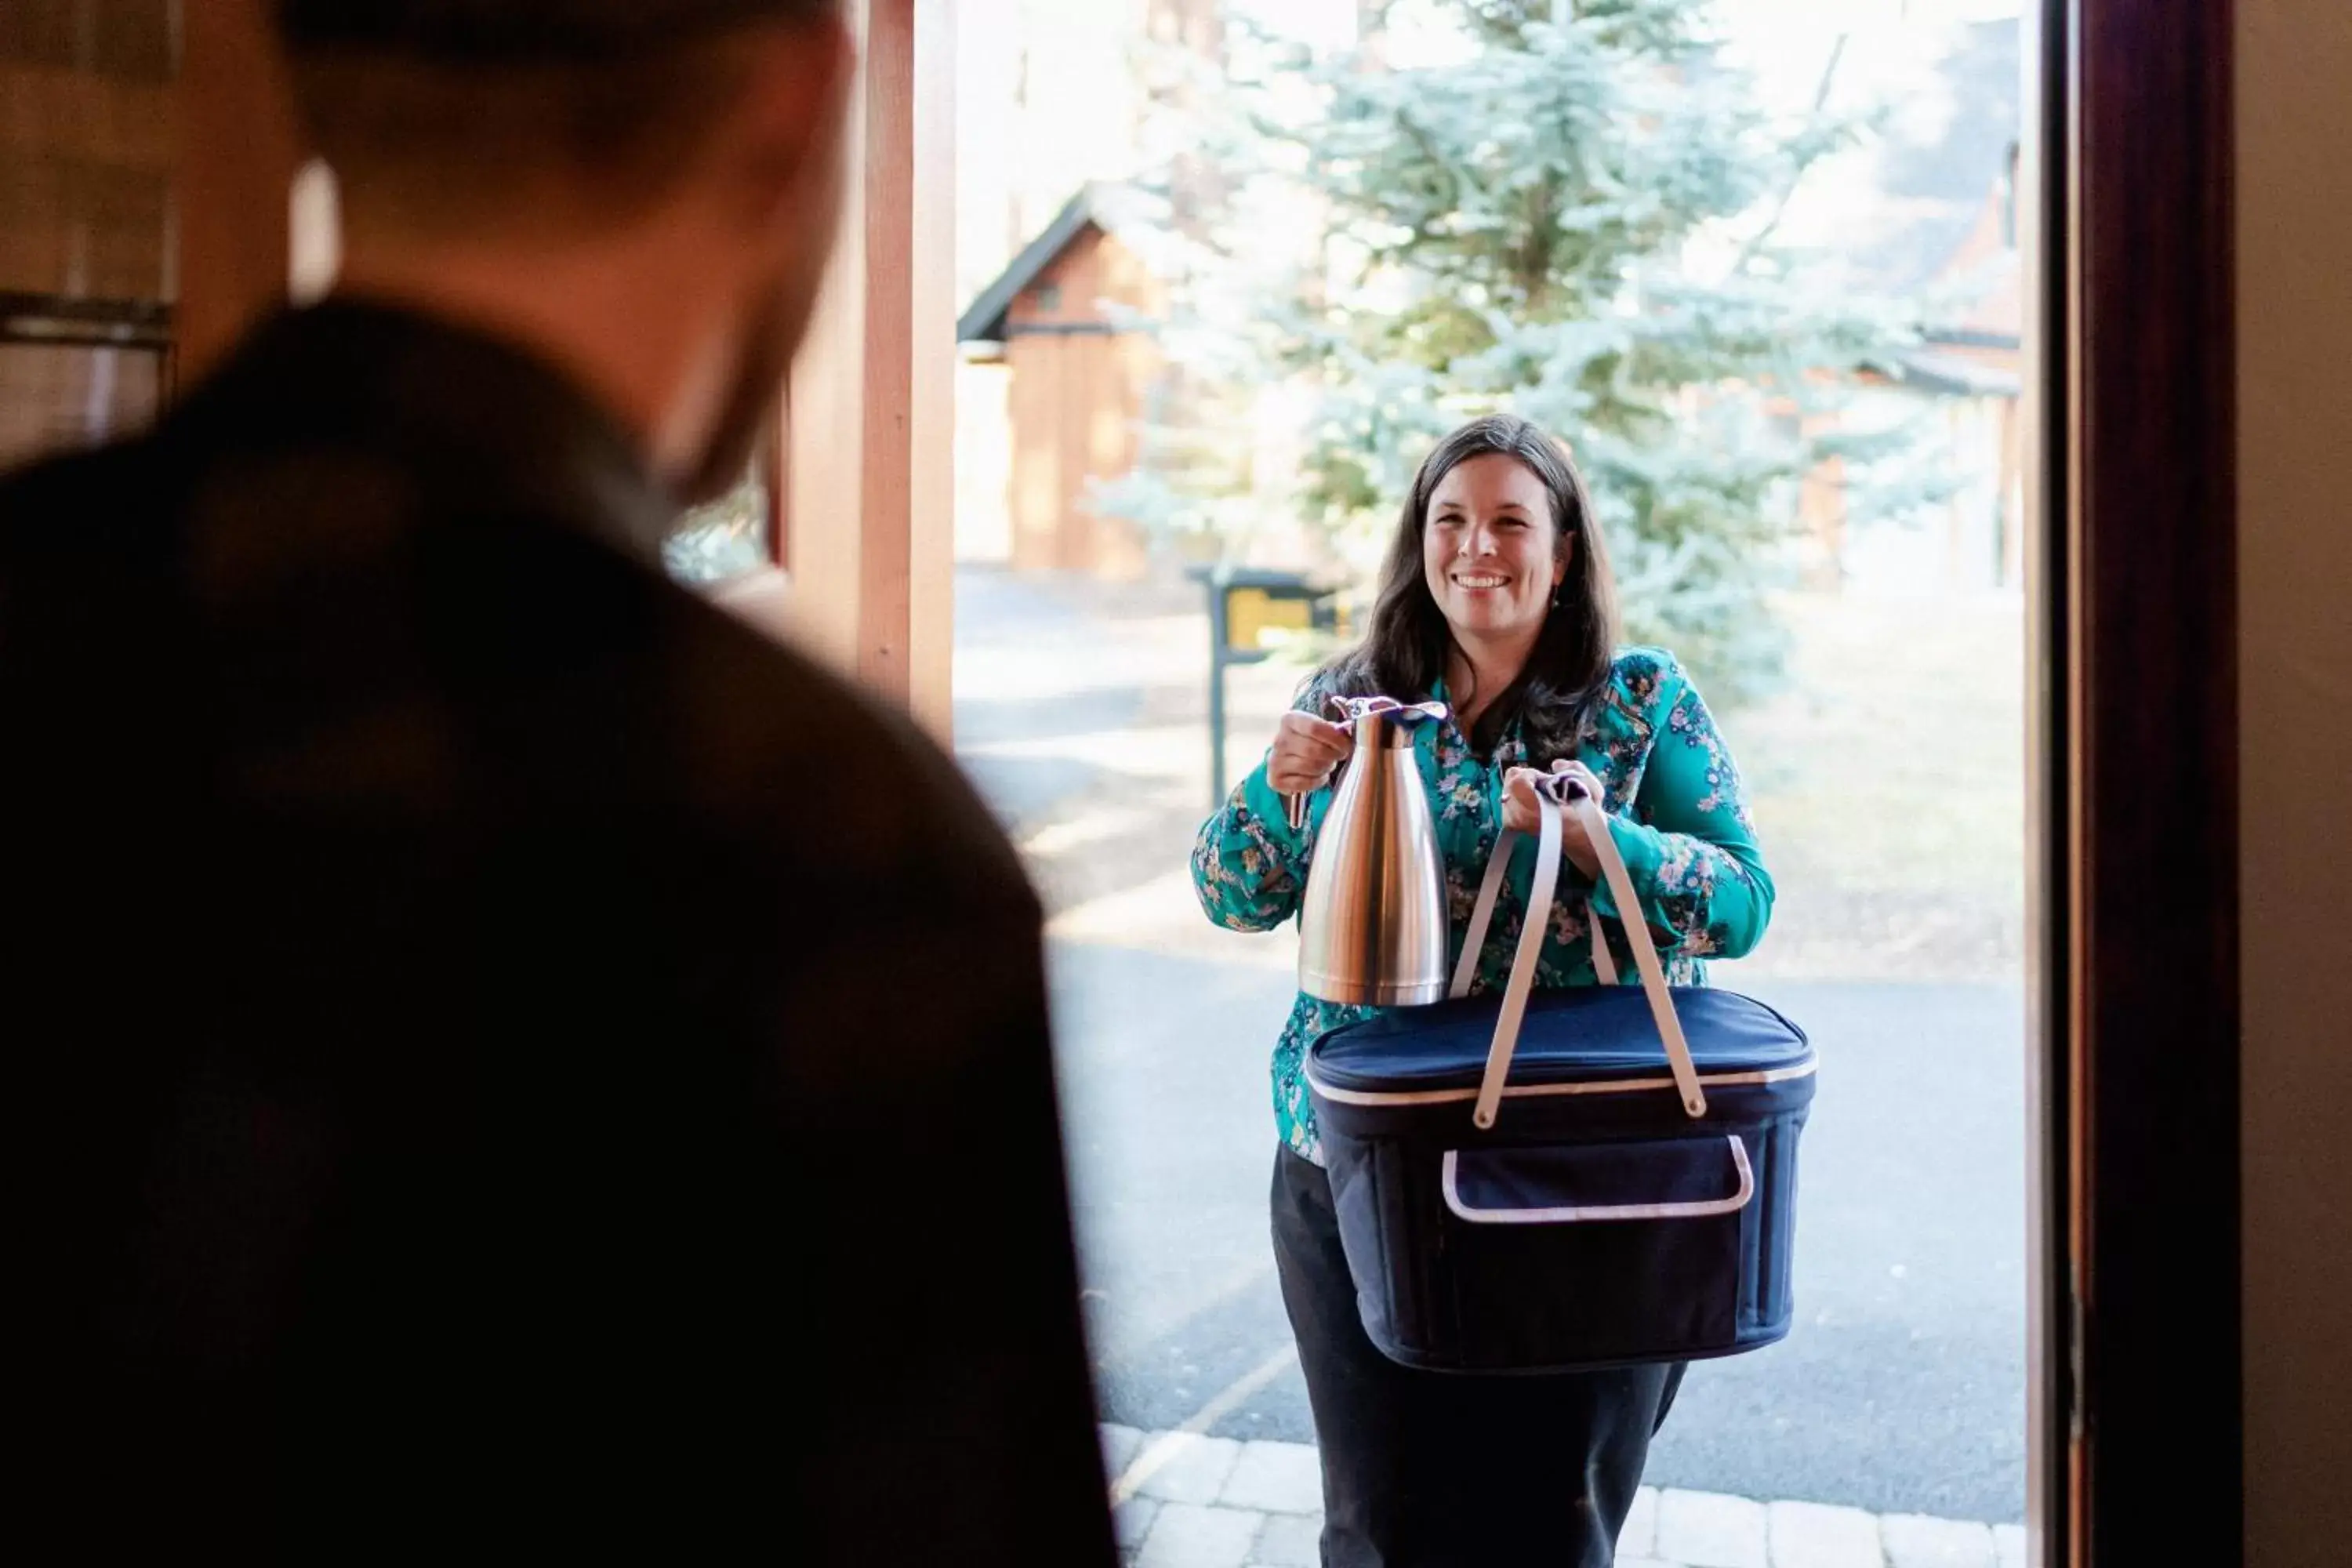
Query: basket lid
1584, 1034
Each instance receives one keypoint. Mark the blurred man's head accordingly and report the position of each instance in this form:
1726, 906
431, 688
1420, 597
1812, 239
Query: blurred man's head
688, 145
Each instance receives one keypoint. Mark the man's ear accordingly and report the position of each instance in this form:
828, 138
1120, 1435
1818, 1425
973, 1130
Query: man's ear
782, 141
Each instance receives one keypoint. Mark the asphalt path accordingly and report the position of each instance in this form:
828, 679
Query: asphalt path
1030, 668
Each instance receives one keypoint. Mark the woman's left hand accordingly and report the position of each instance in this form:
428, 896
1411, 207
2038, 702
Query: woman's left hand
1519, 807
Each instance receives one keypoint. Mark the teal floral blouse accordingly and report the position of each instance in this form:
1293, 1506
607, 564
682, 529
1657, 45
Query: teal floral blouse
1676, 811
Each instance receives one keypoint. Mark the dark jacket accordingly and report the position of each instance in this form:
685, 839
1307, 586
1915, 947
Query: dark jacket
502, 1055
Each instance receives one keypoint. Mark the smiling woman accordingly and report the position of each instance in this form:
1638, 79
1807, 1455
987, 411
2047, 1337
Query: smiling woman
1497, 601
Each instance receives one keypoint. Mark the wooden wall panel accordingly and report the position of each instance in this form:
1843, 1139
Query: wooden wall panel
2294, 232
1033, 400
237, 161
88, 147
1081, 384
87, 152
123, 39
86, 230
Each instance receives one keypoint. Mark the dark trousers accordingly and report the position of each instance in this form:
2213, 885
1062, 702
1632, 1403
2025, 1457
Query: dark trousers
1431, 1469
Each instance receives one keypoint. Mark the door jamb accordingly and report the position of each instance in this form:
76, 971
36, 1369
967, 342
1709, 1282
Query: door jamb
2135, 1323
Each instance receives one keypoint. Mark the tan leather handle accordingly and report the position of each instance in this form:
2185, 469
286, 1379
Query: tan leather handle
1637, 934
1558, 794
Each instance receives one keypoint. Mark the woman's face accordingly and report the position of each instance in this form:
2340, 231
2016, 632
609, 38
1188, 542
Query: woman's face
1490, 549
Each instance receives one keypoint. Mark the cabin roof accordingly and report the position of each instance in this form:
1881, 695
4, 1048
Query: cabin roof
1100, 206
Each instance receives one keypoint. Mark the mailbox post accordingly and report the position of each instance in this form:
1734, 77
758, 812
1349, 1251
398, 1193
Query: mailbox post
1245, 601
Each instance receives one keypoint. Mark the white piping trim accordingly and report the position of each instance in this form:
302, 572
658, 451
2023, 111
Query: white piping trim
1583, 1213
1599, 1086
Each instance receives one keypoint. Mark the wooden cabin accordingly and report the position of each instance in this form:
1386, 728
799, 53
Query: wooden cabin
1070, 320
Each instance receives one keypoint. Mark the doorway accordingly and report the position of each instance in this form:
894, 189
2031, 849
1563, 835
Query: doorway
1886, 755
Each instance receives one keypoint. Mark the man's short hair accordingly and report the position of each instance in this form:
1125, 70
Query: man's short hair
521, 32
447, 113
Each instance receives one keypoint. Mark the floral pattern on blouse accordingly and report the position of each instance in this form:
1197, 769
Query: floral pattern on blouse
1676, 811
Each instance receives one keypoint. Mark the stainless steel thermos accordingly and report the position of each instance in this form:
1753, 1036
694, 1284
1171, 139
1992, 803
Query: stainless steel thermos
1372, 928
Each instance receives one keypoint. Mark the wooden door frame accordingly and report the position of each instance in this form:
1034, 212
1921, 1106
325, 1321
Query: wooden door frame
868, 520
2135, 1355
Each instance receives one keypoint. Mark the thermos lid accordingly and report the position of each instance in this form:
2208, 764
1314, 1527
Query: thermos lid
1401, 718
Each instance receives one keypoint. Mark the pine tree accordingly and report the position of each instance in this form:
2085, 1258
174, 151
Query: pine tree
1573, 219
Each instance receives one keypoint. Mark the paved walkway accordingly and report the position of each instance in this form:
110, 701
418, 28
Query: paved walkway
1189, 1501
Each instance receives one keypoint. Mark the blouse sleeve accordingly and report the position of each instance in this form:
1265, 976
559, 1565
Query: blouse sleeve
1689, 845
1249, 866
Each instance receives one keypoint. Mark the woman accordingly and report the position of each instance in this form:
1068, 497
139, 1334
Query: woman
1497, 601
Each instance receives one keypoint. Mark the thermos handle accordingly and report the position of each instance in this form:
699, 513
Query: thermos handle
1350, 710
1559, 794
1294, 807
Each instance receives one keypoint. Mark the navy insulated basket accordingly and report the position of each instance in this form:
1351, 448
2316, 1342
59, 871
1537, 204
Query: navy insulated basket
1529, 1184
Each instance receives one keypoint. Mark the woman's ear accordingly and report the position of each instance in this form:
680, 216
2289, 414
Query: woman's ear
1561, 557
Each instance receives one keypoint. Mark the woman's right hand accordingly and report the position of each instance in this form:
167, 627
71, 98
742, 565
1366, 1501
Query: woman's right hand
1306, 750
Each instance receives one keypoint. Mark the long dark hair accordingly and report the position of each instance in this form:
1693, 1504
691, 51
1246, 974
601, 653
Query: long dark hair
1403, 651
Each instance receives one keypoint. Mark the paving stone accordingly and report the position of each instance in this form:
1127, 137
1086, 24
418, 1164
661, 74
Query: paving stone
1815, 1535
1279, 1477
1189, 1535
1710, 1530
1914, 1541
1195, 1470
1289, 1540
1131, 1521
1212, 1502
1120, 1447
1640, 1533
